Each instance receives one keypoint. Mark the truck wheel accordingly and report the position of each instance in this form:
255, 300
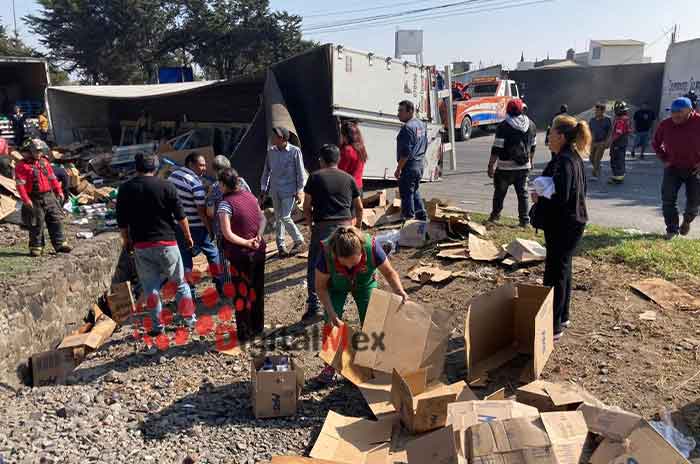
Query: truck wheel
465, 131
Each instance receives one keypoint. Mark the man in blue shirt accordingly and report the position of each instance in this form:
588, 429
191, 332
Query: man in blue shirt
411, 145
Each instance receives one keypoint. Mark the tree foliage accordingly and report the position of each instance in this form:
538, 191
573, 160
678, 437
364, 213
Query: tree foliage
125, 41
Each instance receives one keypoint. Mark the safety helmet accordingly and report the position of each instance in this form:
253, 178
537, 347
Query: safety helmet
35, 146
620, 107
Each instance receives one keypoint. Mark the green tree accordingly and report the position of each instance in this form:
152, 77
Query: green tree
106, 41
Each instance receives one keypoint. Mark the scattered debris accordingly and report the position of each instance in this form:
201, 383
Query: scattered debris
553, 397
418, 234
84, 234
648, 316
121, 302
352, 440
454, 254
483, 250
526, 251
377, 199
424, 274
667, 295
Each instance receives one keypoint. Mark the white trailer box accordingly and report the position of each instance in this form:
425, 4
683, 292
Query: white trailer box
682, 73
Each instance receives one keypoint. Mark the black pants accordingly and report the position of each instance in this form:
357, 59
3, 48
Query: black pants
502, 180
46, 211
319, 233
248, 278
5, 166
562, 240
673, 179
617, 161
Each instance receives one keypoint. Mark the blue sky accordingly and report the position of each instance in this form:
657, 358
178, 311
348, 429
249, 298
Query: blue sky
489, 37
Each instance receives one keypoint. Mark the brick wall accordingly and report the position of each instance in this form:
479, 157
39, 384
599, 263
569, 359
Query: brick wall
46, 305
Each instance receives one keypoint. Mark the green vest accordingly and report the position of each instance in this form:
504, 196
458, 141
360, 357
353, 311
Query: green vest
362, 276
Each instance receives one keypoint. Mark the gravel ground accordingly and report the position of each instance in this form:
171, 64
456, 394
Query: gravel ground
122, 405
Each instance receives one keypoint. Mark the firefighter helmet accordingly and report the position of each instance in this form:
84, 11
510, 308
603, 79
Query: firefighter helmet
620, 107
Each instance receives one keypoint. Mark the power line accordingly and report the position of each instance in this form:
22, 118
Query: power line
392, 23
361, 10
353, 21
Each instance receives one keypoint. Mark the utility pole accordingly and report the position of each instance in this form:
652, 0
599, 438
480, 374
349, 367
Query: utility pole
14, 15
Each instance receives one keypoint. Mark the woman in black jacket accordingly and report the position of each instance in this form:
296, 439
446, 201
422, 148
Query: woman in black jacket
564, 216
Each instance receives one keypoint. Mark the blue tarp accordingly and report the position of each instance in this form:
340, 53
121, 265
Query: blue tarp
174, 75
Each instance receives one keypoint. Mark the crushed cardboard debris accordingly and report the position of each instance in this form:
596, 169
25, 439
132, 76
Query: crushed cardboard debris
483, 250
505, 322
667, 295
8, 205
437, 447
455, 254
352, 440
418, 234
553, 397
526, 251
427, 328
10, 186
377, 199
439, 211
648, 316
434, 274
370, 217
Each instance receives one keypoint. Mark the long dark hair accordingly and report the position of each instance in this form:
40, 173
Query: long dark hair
352, 136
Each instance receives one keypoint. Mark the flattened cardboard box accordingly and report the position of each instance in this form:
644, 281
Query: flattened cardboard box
552, 438
121, 302
614, 424
275, 394
551, 397
52, 367
508, 321
103, 329
421, 407
408, 336
417, 234
352, 440
298, 460
463, 415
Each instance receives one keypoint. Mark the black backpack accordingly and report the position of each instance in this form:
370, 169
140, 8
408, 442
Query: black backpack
519, 152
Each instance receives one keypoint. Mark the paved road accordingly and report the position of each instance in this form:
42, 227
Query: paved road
635, 205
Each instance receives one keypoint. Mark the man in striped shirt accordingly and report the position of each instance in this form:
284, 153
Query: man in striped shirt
192, 195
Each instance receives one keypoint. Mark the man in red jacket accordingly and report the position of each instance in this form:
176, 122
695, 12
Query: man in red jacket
677, 144
42, 198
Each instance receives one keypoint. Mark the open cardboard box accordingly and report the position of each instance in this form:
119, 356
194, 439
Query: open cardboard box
121, 302
412, 336
275, 394
51, 367
422, 407
508, 321
437, 447
418, 234
352, 440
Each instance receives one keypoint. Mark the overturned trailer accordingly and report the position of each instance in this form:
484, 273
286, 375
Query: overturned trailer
312, 93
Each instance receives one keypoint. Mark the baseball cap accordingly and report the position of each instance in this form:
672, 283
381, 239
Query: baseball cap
515, 107
681, 104
281, 132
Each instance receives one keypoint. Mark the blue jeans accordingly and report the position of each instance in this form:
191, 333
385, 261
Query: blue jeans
202, 244
319, 233
641, 140
409, 183
156, 266
283, 219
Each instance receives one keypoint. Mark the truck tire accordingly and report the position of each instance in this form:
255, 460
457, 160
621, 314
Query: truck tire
465, 130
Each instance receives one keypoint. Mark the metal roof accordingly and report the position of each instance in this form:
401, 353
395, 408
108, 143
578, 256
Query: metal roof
619, 43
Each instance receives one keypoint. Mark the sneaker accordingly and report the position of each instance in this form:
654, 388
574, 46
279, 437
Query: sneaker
493, 219
326, 376
557, 336
36, 252
296, 249
191, 321
64, 248
566, 324
671, 235
685, 228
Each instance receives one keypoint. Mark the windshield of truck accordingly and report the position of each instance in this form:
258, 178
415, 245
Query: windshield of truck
483, 90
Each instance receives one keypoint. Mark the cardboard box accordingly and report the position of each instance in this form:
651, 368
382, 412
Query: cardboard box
614, 424
370, 217
275, 394
10, 186
103, 329
298, 460
121, 302
552, 438
643, 445
352, 440
421, 407
463, 415
51, 367
8, 205
390, 324
504, 323
73, 177
526, 251
483, 250
434, 448
551, 397
439, 211
417, 234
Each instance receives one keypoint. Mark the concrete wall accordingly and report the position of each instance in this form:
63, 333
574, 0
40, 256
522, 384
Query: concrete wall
616, 55
546, 89
46, 305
